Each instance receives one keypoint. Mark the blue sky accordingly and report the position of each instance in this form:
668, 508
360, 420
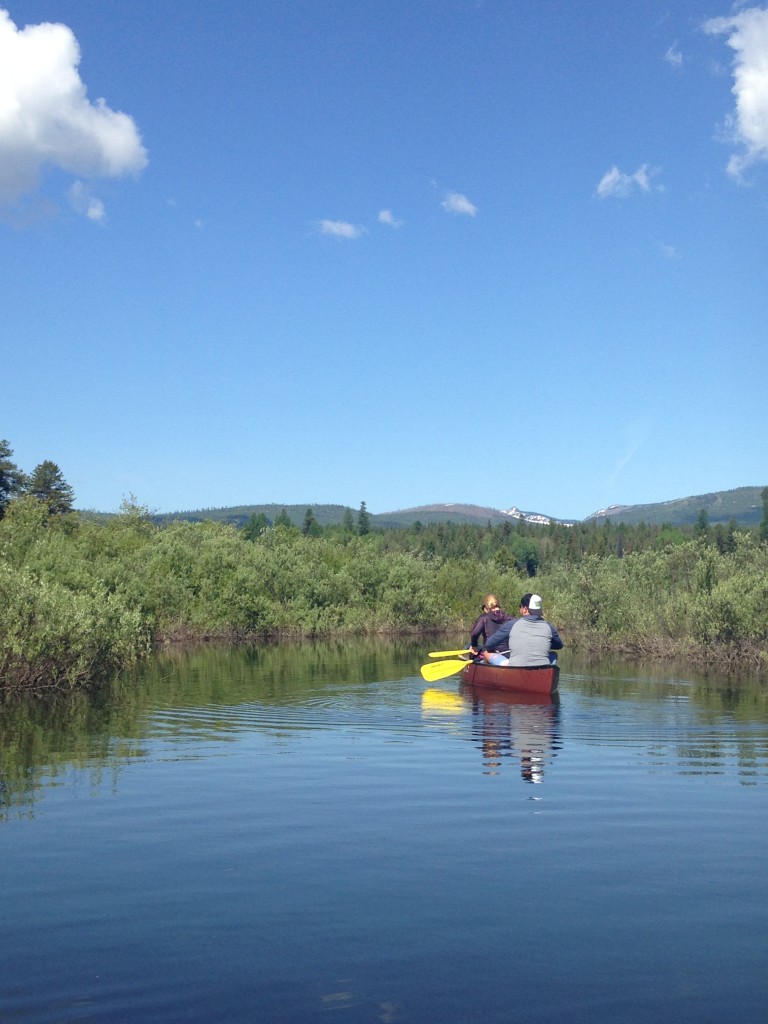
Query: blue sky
506, 253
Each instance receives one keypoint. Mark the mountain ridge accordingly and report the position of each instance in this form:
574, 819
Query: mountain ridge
742, 504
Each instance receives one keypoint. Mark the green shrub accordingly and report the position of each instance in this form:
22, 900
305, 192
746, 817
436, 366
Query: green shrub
79, 599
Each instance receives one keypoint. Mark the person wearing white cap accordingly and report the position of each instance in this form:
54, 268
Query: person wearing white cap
528, 641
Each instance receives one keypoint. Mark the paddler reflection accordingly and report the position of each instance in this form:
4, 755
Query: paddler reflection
520, 725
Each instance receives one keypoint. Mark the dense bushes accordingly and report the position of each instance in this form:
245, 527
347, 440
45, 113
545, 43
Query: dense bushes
60, 623
689, 598
80, 599
52, 637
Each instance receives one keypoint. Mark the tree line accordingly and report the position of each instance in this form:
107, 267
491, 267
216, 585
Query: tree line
81, 599
528, 547
310, 527
46, 483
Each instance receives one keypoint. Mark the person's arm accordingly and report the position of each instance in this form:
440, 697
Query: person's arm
556, 644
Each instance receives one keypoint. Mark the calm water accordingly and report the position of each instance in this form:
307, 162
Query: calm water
315, 834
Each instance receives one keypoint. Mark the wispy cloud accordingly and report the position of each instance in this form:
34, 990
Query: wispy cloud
455, 202
83, 201
340, 229
617, 184
670, 252
747, 127
673, 57
46, 117
387, 217
636, 434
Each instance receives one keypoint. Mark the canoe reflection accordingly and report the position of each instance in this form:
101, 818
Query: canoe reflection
524, 726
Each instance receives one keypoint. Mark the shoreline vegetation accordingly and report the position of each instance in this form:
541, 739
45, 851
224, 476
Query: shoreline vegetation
82, 600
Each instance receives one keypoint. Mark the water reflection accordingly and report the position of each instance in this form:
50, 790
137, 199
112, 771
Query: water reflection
519, 727
187, 699
522, 726
200, 693
305, 834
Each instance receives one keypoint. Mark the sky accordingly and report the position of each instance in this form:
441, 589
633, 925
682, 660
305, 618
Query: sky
498, 252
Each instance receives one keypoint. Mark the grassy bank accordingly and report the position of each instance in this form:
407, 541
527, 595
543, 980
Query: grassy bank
80, 600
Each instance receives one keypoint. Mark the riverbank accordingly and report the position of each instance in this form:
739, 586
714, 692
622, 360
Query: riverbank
82, 601
47, 677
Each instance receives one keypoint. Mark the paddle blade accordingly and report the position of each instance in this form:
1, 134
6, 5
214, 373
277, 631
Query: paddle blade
435, 670
448, 654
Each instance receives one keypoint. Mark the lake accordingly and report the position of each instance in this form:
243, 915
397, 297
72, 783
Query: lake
313, 834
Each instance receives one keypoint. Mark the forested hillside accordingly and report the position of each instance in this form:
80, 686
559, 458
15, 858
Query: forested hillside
743, 505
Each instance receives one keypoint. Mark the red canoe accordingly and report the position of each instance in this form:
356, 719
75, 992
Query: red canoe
542, 679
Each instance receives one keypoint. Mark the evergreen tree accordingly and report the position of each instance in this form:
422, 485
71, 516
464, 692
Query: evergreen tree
763, 528
310, 527
47, 484
701, 529
348, 522
363, 520
730, 535
11, 477
255, 526
283, 519
720, 539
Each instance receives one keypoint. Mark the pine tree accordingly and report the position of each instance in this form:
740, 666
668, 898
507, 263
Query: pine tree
763, 528
255, 526
47, 484
310, 527
363, 520
11, 477
701, 527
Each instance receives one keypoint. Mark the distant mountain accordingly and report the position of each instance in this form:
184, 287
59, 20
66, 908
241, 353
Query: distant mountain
744, 504
456, 513
334, 514
238, 515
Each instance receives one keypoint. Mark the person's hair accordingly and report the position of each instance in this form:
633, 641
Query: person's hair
488, 598
525, 600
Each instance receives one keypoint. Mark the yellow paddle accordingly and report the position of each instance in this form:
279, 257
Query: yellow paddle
448, 654
435, 670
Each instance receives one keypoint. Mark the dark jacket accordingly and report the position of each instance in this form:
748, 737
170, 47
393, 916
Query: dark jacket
528, 639
486, 626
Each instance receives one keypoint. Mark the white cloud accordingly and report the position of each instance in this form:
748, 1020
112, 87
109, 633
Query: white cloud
83, 201
748, 127
46, 118
455, 202
339, 229
387, 217
673, 57
670, 252
620, 185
